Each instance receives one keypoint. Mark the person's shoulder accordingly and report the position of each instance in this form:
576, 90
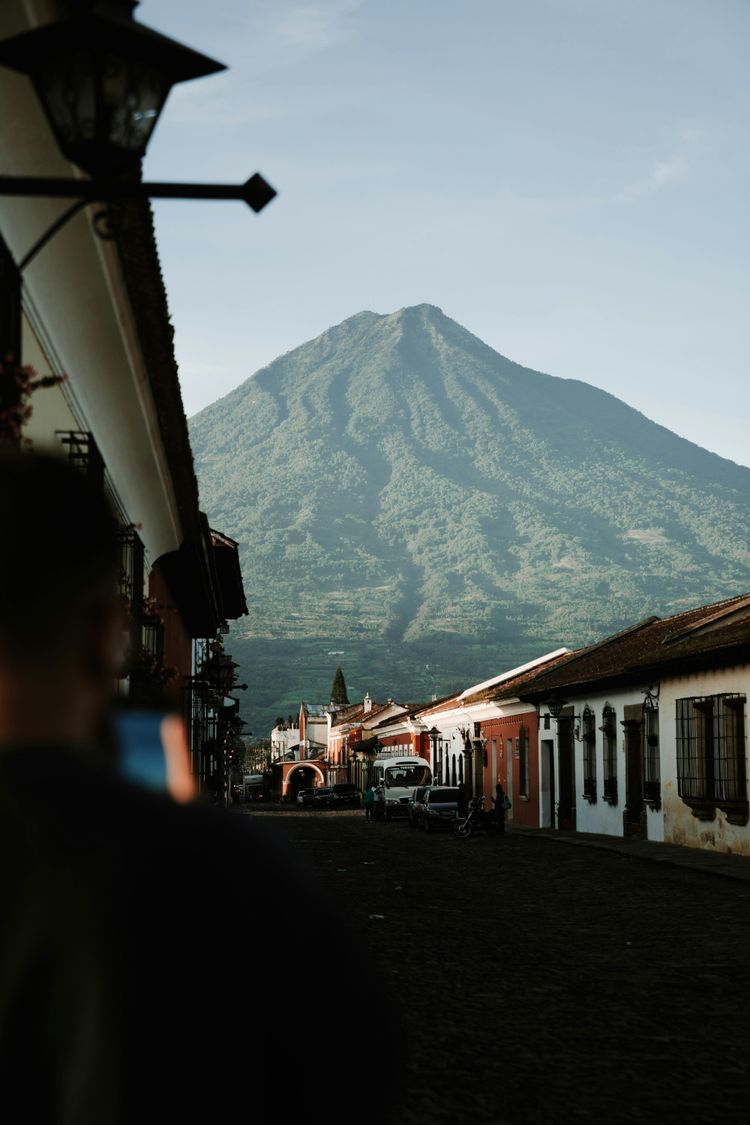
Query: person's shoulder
83, 798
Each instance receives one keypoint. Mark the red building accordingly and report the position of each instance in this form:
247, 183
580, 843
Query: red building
487, 735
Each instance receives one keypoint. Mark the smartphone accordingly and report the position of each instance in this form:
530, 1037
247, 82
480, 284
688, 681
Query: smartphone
153, 751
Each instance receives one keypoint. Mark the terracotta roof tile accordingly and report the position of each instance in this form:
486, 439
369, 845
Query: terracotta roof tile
392, 719
447, 704
728, 643
509, 689
355, 713
647, 644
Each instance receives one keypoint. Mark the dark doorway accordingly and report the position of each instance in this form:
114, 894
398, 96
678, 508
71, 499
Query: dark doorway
304, 777
634, 814
566, 808
548, 784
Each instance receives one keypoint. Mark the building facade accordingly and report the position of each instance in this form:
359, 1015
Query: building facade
89, 314
645, 733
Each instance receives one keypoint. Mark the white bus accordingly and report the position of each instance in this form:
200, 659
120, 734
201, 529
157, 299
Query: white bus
399, 775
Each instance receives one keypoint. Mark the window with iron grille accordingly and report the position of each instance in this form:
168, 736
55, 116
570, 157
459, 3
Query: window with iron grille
651, 770
153, 637
83, 454
131, 565
711, 755
131, 581
524, 780
609, 735
588, 735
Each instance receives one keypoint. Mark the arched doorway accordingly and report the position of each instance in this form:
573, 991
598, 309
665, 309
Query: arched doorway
302, 775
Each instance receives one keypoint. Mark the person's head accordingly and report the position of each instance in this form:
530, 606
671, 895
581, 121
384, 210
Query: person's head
60, 624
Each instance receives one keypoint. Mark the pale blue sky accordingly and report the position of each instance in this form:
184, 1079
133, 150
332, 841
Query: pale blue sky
569, 179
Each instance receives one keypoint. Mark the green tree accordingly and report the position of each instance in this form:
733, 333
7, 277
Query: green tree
338, 688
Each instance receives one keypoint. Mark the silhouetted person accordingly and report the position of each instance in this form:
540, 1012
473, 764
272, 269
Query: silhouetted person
132, 927
463, 801
500, 802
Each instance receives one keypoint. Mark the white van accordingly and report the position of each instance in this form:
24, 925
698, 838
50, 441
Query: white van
399, 777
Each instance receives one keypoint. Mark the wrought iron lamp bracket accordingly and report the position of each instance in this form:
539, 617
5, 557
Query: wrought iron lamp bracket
257, 193
651, 697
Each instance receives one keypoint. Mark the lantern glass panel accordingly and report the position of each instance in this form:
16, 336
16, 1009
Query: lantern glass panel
102, 79
67, 90
102, 110
132, 94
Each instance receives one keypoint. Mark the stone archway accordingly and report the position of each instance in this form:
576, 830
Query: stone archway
301, 775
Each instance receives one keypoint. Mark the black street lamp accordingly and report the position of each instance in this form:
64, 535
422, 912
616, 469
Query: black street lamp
437, 766
479, 744
555, 707
103, 80
467, 760
220, 671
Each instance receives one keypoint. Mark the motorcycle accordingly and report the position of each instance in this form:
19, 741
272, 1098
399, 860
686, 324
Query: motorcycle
478, 820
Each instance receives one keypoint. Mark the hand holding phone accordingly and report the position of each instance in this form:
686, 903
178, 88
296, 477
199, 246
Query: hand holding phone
153, 751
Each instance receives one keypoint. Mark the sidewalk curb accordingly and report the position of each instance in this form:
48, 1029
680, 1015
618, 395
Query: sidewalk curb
703, 862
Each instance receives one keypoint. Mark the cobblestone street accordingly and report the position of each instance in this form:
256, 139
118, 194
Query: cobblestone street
544, 983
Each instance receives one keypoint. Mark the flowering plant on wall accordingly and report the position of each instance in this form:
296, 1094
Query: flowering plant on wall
149, 670
17, 385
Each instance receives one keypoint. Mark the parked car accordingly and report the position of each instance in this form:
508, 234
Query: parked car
438, 808
414, 803
322, 797
305, 797
346, 795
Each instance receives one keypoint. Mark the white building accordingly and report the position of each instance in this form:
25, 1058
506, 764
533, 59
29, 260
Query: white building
643, 734
704, 681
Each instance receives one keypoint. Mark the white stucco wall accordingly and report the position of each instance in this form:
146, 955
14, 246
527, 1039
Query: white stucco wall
52, 409
680, 826
75, 298
450, 742
598, 816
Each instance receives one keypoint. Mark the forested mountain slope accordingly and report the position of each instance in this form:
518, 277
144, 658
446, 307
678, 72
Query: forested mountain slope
410, 498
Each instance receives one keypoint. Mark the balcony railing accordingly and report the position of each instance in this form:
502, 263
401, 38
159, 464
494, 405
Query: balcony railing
83, 453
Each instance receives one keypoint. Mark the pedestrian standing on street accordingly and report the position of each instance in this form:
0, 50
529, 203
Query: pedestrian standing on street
378, 805
502, 804
369, 800
111, 893
463, 801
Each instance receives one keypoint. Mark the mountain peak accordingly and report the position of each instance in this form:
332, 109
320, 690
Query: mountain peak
409, 315
422, 315
424, 309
